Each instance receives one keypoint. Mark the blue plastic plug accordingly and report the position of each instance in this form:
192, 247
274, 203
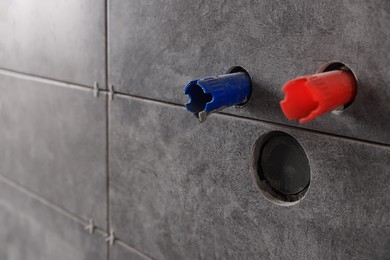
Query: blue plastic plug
212, 94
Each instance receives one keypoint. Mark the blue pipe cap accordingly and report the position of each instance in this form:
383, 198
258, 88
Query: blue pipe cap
212, 94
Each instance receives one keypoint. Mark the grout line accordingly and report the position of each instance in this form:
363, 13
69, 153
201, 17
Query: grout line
246, 118
65, 212
310, 131
107, 118
130, 248
50, 204
158, 101
107, 43
108, 171
71, 85
46, 202
41, 79
107, 104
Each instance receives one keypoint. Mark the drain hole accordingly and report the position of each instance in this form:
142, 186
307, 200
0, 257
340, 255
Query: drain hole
280, 168
336, 65
198, 99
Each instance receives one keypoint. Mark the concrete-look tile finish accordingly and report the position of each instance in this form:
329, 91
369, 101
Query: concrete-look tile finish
180, 189
53, 141
156, 47
119, 252
64, 40
32, 230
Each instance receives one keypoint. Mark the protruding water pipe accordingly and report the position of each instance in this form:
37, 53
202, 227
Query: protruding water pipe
310, 96
212, 94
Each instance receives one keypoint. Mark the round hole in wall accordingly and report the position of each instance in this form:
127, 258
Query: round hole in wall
336, 65
235, 69
280, 168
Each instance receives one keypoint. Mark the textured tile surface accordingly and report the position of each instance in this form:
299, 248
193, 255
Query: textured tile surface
120, 252
180, 189
63, 40
53, 141
172, 42
32, 230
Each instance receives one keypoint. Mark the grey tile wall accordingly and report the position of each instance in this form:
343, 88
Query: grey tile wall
53, 141
171, 42
33, 230
175, 188
64, 40
180, 189
121, 252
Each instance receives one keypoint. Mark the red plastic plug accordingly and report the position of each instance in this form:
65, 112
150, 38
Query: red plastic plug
310, 96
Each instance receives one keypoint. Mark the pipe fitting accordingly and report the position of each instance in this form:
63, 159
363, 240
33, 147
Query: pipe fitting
212, 94
310, 96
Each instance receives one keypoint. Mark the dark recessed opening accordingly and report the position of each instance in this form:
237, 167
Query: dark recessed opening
280, 168
336, 65
198, 99
236, 69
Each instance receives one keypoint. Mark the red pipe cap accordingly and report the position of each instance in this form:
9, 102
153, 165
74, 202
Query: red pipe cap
310, 96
